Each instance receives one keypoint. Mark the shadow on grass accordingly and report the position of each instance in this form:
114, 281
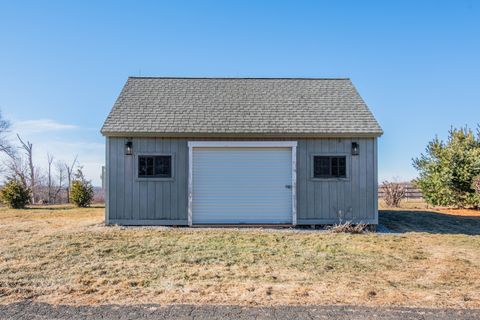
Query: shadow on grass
62, 207
429, 221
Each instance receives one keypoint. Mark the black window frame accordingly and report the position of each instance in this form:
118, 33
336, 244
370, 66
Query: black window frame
153, 161
333, 167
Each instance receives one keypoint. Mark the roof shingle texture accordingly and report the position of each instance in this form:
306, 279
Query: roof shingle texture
240, 106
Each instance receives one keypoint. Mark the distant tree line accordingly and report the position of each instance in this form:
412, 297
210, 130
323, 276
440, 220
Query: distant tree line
449, 171
27, 183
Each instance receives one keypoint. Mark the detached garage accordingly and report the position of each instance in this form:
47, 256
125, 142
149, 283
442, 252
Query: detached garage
230, 151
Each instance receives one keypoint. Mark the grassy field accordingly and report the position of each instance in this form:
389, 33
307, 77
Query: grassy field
66, 255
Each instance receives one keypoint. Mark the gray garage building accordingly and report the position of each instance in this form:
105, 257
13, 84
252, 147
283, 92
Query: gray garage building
207, 151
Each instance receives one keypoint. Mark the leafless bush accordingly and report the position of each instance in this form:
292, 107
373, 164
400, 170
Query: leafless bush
476, 184
394, 192
349, 227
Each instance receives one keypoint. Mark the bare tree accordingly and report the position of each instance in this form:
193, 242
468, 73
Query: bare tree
70, 174
28, 149
49, 178
5, 146
394, 192
4, 127
44, 185
15, 166
60, 185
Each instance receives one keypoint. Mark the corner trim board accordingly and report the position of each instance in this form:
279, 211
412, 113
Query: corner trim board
294, 184
375, 177
107, 178
190, 183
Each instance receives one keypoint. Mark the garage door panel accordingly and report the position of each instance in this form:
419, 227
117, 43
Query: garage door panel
241, 185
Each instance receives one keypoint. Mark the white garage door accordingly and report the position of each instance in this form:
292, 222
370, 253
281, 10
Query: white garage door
241, 185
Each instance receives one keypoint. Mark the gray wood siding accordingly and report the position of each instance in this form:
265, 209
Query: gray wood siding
140, 202
131, 201
329, 200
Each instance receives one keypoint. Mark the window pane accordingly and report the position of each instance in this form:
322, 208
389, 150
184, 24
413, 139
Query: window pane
316, 166
334, 167
321, 166
163, 166
142, 166
324, 166
329, 167
342, 167
149, 166
155, 166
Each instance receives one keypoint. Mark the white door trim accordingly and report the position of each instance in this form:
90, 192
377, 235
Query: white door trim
246, 144
294, 184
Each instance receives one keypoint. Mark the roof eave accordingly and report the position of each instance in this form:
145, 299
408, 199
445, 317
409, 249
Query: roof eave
239, 135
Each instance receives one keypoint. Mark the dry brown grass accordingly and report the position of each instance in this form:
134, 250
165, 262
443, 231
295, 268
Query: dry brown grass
65, 255
405, 204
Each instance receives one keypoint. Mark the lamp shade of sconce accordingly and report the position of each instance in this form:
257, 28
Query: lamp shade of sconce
355, 149
129, 148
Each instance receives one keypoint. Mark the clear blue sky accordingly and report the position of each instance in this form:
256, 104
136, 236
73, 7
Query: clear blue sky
63, 63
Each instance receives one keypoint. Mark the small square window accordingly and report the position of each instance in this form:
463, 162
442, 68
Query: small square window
329, 167
321, 166
155, 166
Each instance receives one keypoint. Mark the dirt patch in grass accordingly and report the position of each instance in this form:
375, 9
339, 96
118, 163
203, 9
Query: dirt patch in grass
420, 204
65, 255
460, 212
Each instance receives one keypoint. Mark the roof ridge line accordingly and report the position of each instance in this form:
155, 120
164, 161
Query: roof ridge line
236, 78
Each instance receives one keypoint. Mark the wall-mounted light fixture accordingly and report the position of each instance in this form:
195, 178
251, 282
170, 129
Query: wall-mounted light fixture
129, 148
355, 149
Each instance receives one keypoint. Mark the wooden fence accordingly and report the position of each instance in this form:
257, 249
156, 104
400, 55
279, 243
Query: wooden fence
411, 191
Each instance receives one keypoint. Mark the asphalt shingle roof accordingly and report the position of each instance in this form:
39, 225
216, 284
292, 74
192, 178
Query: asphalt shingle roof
240, 106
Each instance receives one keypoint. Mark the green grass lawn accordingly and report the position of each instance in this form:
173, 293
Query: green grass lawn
66, 255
